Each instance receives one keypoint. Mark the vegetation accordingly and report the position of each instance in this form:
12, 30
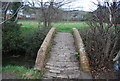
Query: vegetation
11, 31
23, 72
22, 39
20, 46
11, 38
30, 26
23, 46
34, 41
67, 26
77, 54
101, 38
28, 40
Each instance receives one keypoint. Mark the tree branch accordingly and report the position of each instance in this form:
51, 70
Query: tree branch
12, 15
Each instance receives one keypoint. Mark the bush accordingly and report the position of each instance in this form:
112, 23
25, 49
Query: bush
34, 41
28, 44
11, 38
101, 46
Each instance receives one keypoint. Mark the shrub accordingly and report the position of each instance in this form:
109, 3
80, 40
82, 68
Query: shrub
97, 41
11, 38
33, 43
16, 41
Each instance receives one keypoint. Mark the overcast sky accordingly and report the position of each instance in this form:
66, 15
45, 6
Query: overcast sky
85, 5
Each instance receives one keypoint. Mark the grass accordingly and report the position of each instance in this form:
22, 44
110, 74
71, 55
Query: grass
15, 65
67, 26
30, 26
23, 72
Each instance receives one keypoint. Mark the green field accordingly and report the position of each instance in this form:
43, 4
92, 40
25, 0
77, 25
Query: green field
67, 26
30, 26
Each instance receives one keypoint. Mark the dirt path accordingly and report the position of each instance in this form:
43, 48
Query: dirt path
62, 62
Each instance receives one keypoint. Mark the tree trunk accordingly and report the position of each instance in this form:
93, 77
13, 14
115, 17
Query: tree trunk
45, 23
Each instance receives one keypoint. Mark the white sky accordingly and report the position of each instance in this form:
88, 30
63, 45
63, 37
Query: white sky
85, 5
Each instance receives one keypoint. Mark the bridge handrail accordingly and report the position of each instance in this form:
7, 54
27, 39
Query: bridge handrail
80, 47
43, 49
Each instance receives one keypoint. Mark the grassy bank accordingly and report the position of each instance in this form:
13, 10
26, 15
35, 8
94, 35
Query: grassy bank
30, 26
14, 64
67, 26
21, 72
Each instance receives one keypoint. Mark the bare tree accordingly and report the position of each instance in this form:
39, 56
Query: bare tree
50, 10
101, 39
7, 6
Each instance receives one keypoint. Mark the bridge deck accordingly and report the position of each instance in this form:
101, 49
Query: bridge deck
62, 62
